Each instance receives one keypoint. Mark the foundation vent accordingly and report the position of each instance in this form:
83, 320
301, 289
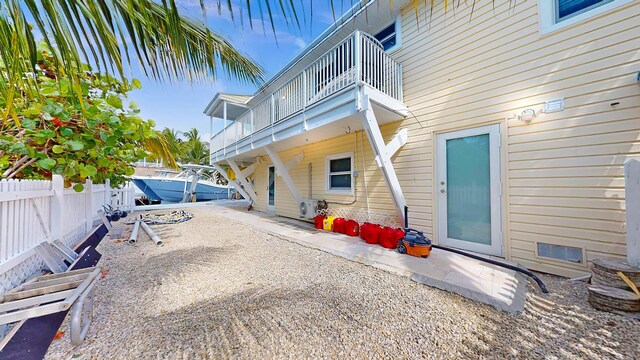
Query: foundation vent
560, 252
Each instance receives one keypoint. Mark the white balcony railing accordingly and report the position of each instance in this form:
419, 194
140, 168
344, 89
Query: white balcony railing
359, 56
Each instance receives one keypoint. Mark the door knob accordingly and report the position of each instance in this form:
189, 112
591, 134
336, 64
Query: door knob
441, 182
443, 191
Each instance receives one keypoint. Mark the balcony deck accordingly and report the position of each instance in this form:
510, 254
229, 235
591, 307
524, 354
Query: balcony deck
329, 90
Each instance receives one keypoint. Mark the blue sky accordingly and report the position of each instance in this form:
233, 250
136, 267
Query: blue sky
179, 105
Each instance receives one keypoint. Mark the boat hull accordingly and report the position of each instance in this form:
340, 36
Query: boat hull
172, 190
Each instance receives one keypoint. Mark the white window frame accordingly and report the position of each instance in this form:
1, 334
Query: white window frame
549, 19
328, 189
398, 28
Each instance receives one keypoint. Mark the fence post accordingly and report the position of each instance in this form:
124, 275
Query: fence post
632, 199
88, 204
132, 196
57, 207
107, 192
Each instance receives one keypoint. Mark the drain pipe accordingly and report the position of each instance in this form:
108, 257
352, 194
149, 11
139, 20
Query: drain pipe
152, 234
497, 263
134, 233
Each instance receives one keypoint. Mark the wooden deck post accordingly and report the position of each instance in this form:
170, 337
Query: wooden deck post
632, 199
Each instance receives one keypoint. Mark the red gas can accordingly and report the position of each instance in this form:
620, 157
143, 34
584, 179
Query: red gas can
373, 234
364, 230
318, 221
351, 228
338, 225
388, 238
399, 234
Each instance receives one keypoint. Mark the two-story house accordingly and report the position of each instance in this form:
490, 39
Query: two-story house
504, 129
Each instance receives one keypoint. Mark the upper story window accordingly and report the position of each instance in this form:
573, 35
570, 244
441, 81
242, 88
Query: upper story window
339, 170
568, 8
389, 37
556, 14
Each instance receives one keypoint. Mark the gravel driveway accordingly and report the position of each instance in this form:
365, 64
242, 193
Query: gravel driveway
218, 289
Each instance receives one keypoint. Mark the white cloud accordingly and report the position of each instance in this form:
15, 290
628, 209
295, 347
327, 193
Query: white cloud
301, 44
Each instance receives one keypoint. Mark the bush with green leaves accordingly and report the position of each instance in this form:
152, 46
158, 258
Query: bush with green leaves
57, 132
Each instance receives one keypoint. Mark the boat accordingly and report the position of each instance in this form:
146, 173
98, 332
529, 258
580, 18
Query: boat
177, 186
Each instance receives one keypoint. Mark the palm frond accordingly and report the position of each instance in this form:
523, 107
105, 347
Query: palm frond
107, 34
159, 147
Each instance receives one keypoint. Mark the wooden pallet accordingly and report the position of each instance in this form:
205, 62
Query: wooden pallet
46, 294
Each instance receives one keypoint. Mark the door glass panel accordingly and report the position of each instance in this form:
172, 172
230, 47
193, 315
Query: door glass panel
272, 186
469, 189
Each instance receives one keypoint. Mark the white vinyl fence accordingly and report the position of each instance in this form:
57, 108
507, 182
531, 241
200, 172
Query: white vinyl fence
35, 211
124, 198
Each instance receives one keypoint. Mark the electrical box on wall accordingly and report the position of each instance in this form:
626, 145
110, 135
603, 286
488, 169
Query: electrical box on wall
554, 105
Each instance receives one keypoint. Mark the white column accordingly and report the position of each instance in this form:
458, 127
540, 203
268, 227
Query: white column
632, 199
357, 53
253, 126
272, 119
210, 137
88, 204
224, 128
57, 207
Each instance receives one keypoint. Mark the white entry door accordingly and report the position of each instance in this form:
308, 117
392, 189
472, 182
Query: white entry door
469, 189
271, 188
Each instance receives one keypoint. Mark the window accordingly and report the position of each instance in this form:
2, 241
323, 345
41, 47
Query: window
339, 173
568, 8
560, 252
556, 14
389, 37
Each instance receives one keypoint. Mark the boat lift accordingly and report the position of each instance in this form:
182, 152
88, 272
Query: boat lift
195, 172
190, 193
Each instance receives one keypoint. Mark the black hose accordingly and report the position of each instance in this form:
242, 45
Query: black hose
497, 263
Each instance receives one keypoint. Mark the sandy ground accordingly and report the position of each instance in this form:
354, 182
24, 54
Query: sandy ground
218, 289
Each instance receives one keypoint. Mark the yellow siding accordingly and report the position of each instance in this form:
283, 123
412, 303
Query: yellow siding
562, 174
563, 179
315, 155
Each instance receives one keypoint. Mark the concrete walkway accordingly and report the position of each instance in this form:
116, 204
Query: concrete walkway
503, 288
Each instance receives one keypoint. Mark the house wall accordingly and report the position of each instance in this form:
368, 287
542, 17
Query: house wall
315, 156
562, 174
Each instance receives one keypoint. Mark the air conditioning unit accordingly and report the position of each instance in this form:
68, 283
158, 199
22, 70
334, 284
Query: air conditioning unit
307, 208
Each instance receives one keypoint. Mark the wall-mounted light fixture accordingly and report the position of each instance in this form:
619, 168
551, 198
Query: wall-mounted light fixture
527, 116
